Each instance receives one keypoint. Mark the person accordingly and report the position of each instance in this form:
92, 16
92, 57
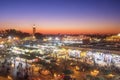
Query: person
18, 73
26, 76
39, 71
8, 69
14, 62
10, 63
3, 65
18, 67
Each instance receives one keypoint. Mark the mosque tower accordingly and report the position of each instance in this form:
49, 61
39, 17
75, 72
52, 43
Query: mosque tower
34, 30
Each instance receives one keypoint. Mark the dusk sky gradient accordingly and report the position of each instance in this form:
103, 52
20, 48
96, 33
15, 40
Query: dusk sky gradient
61, 16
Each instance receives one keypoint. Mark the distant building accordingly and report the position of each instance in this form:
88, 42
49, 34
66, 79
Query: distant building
33, 35
76, 39
115, 38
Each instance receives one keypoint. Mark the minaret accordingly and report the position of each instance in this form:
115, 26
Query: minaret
34, 30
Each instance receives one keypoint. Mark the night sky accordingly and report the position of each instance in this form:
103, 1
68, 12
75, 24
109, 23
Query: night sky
61, 16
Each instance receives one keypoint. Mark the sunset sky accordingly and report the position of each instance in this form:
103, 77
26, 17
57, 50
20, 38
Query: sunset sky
61, 16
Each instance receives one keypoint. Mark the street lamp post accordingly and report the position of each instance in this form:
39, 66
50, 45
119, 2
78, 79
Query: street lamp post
14, 62
65, 63
26, 62
56, 56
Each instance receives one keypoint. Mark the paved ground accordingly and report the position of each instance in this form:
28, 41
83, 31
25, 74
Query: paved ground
3, 78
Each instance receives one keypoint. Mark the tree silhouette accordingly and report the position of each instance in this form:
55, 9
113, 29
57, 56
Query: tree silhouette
38, 35
13, 33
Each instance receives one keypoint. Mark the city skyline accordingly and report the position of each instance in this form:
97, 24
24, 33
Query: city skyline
61, 16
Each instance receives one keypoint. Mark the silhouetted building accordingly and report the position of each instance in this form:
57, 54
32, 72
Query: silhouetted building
34, 30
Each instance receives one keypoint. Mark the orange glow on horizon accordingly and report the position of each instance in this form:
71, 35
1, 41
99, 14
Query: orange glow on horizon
68, 27
72, 31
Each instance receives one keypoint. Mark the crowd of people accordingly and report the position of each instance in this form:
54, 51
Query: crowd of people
16, 69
